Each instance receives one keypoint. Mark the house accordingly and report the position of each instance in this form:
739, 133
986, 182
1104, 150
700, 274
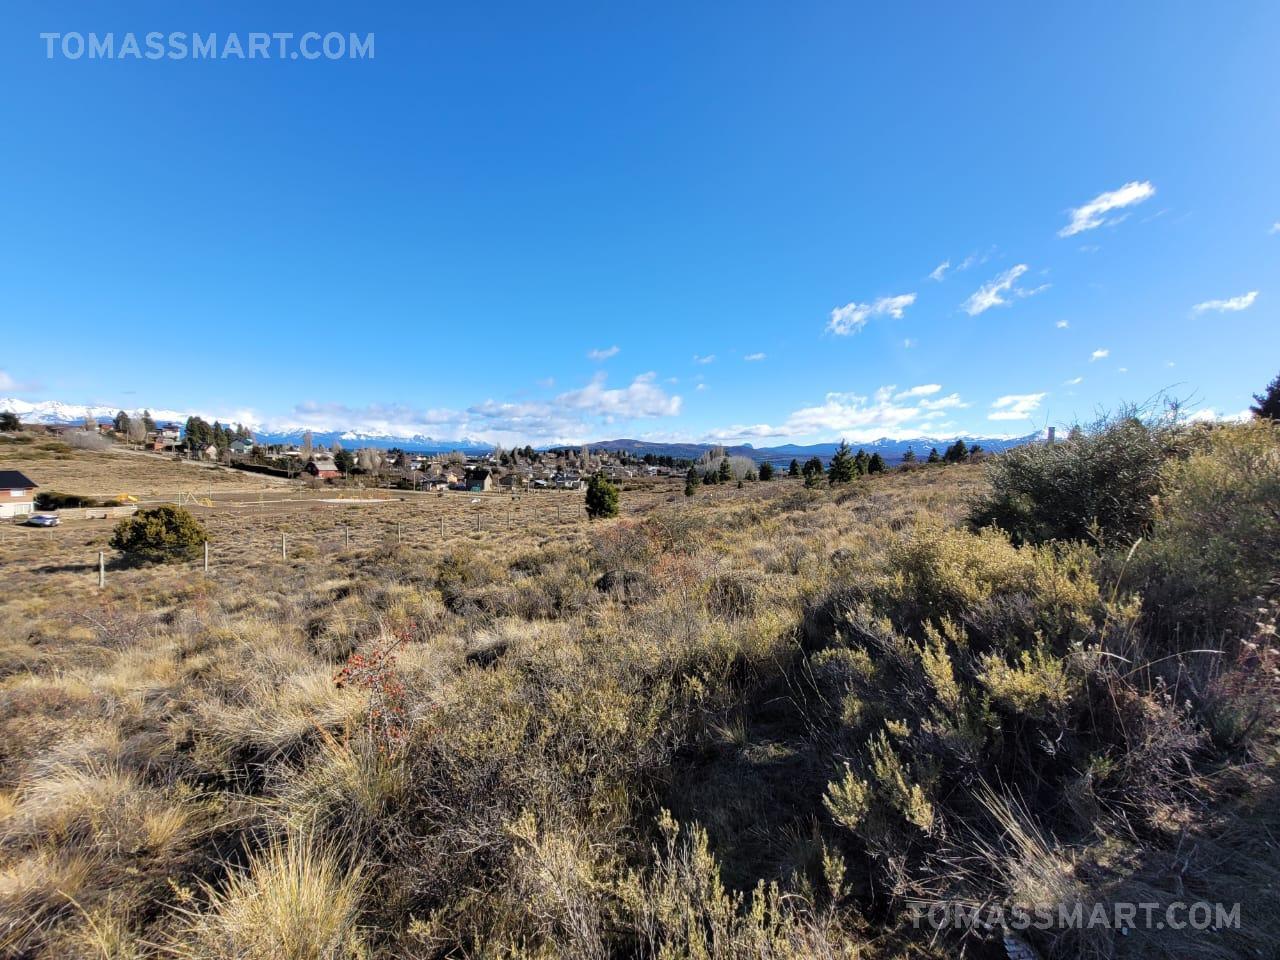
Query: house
478, 480
242, 447
166, 438
323, 467
17, 494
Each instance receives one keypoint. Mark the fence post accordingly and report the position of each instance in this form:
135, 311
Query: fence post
477, 521
102, 570
346, 535
442, 528
206, 556
284, 548
397, 533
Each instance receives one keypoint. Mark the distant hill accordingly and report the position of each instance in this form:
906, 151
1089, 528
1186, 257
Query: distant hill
891, 450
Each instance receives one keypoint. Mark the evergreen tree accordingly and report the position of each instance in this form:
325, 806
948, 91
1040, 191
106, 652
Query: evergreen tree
933, 455
875, 463
344, 461
148, 424
121, 423
725, 474
956, 453
690, 482
860, 463
794, 469
843, 467
1267, 404
909, 456
602, 497
766, 470
813, 472
9, 421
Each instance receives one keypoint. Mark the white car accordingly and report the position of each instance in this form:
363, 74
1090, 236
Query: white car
44, 520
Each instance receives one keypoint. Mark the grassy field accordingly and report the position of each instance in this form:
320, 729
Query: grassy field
751, 723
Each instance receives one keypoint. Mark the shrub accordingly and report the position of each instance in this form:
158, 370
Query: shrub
602, 498
1100, 483
159, 535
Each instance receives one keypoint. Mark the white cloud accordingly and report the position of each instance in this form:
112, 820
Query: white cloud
1074, 381
603, 353
1094, 213
1122, 369
709, 358
700, 387
1015, 406
1062, 324
1275, 227
852, 317
990, 294
924, 390
908, 343
1232, 304
643, 398
860, 419
1211, 416
753, 357
940, 271
1099, 354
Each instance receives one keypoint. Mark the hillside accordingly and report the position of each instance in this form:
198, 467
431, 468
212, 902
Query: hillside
756, 722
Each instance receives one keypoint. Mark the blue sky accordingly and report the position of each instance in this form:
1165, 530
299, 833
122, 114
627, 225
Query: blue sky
575, 221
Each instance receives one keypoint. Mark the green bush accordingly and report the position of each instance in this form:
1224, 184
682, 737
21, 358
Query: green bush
1099, 484
602, 498
159, 535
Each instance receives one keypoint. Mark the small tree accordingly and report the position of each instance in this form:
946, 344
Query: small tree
843, 467
725, 474
956, 453
909, 456
875, 463
933, 455
602, 497
766, 471
813, 472
159, 535
690, 482
9, 421
794, 469
1268, 403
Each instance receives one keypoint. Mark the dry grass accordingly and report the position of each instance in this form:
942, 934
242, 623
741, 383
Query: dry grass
817, 684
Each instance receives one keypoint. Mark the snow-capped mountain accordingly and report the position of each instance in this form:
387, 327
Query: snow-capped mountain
51, 412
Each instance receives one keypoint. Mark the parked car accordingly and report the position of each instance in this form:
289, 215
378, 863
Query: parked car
44, 520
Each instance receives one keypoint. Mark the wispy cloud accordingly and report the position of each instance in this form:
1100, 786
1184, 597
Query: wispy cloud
754, 357
940, 271
643, 398
1099, 354
1015, 406
924, 390
852, 317
1230, 305
993, 293
1062, 324
1094, 213
1275, 227
603, 353
708, 358
1074, 381
908, 343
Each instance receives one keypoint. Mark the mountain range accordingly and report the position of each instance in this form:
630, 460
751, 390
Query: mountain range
56, 412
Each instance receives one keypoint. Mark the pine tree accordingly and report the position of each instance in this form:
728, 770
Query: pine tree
909, 456
813, 472
860, 463
843, 467
1267, 406
724, 475
875, 463
602, 497
148, 424
766, 471
690, 482
933, 455
121, 422
794, 469
956, 453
